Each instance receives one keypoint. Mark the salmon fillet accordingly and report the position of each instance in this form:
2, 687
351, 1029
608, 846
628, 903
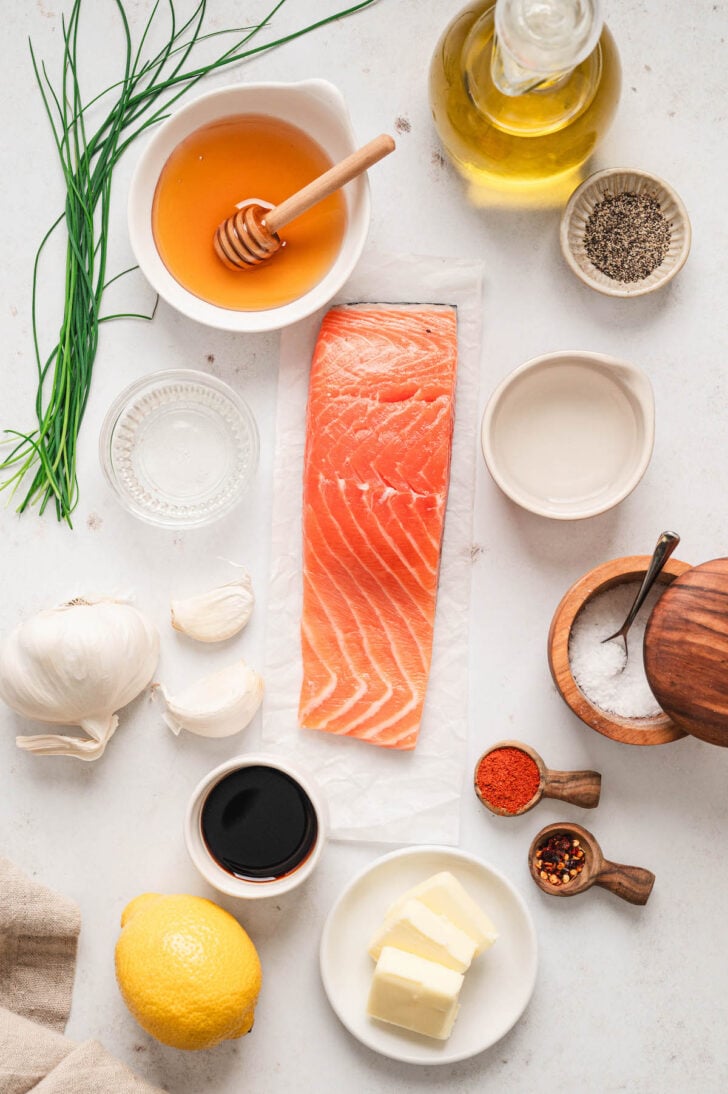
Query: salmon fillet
376, 471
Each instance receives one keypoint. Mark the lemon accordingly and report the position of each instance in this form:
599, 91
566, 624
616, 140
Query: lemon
187, 970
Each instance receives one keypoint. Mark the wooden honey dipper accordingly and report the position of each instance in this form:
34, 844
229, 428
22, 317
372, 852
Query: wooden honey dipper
250, 236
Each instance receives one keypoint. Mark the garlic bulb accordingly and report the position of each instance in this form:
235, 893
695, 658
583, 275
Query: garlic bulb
76, 665
217, 614
218, 705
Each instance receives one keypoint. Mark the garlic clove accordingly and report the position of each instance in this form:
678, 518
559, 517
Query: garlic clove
219, 705
215, 615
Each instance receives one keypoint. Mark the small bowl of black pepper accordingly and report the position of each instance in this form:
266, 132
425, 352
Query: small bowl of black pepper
625, 232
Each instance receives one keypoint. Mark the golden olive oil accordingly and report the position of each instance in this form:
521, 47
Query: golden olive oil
509, 141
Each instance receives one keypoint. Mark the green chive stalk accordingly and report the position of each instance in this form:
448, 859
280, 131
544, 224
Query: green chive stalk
42, 463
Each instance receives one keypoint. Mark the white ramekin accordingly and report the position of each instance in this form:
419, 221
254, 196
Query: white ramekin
211, 871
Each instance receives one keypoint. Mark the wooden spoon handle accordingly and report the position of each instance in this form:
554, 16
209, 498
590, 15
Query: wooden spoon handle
631, 883
577, 787
331, 180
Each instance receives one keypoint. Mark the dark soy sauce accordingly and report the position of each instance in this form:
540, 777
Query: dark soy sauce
258, 823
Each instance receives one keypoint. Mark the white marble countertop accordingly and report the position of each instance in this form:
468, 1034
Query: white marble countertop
627, 998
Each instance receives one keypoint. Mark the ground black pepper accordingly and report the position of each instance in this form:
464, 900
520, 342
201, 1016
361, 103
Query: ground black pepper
627, 236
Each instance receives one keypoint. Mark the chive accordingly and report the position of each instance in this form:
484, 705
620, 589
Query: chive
42, 463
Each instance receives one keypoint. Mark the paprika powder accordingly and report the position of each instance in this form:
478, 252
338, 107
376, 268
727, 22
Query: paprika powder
507, 779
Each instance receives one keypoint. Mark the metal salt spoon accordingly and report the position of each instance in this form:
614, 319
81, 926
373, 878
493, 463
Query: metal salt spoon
666, 544
250, 236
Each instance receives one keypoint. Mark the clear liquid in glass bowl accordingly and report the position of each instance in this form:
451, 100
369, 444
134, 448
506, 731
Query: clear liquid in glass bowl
179, 448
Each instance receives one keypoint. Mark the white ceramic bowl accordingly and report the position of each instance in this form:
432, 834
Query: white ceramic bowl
210, 869
316, 107
569, 435
581, 204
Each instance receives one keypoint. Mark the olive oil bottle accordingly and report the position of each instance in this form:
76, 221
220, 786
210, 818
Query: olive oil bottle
523, 90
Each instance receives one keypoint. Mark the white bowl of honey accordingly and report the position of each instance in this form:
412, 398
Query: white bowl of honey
262, 141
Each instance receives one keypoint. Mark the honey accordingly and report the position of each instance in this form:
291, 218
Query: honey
215, 167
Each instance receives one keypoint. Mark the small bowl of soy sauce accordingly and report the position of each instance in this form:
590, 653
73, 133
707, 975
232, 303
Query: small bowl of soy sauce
256, 826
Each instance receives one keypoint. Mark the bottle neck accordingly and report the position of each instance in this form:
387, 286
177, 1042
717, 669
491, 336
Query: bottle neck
539, 42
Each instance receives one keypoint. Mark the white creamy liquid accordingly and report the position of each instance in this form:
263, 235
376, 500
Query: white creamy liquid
566, 434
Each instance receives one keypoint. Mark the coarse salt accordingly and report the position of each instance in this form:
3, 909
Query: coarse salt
612, 681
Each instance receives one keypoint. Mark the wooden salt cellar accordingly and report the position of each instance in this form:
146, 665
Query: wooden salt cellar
656, 730
686, 651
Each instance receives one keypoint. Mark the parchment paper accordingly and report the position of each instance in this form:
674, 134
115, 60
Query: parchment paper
373, 793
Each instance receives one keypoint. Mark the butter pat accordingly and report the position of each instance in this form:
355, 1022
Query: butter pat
414, 993
417, 929
445, 896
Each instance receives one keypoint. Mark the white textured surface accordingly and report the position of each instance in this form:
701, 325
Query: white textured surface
627, 999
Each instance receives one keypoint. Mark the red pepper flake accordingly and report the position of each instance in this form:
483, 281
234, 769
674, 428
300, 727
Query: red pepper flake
507, 779
559, 859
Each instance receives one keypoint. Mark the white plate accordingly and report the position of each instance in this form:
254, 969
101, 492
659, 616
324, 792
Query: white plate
497, 987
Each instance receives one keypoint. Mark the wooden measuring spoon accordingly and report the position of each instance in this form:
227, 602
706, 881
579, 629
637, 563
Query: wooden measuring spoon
631, 883
250, 236
576, 787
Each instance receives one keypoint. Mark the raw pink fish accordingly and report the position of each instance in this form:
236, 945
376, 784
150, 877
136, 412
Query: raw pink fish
377, 463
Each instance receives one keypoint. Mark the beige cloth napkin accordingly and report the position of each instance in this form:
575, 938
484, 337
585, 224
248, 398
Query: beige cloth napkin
38, 936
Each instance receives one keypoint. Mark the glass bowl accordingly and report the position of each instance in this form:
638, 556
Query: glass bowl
179, 448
